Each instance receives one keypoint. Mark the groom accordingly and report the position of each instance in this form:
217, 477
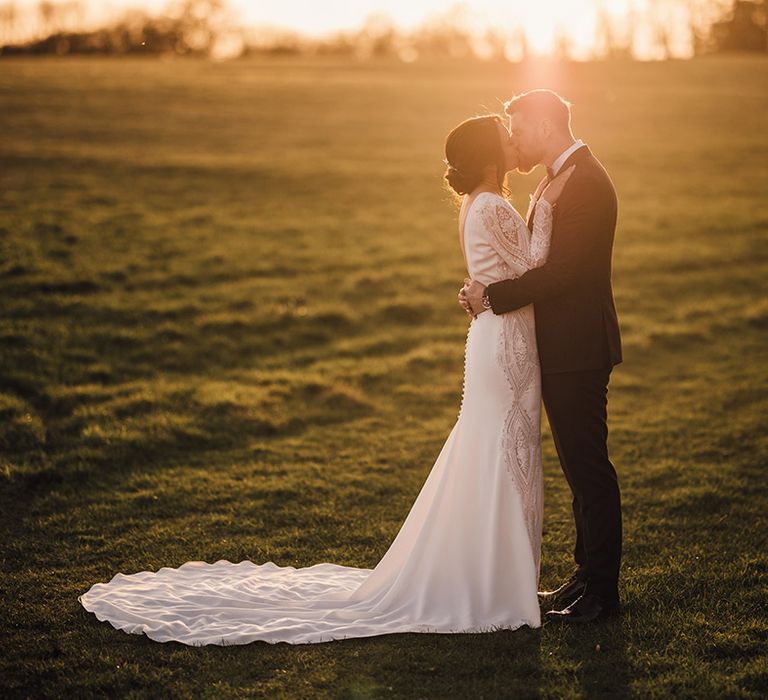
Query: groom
577, 332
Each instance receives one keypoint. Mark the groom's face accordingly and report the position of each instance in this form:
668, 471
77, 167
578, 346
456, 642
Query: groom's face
530, 145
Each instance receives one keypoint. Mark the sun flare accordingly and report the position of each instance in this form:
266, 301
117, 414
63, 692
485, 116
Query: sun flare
548, 22
548, 25
582, 29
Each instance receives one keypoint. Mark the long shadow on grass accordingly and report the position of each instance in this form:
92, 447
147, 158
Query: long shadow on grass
506, 663
597, 651
498, 664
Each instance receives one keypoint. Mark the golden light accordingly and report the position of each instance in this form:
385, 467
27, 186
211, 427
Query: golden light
539, 18
579, 28
547, 24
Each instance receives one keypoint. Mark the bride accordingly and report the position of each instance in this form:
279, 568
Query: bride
466, 559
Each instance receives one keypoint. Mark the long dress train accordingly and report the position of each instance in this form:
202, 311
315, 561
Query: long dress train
466, 559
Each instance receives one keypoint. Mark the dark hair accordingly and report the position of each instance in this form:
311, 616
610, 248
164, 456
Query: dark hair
469, 149
542, 104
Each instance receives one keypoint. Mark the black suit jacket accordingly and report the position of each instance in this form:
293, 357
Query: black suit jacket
576, 324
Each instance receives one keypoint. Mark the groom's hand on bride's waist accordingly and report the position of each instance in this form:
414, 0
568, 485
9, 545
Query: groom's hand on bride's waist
471, 297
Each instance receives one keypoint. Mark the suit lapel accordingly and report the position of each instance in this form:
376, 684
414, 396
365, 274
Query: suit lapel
576, 156
573, 159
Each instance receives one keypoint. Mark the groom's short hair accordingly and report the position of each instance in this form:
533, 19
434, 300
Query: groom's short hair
541, 104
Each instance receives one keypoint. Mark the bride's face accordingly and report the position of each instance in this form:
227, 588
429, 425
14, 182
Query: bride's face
509, 146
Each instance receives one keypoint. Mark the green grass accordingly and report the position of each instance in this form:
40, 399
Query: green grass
229, 331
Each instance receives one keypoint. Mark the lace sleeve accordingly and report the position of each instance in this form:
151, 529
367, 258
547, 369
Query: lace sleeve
507, 235
542, 233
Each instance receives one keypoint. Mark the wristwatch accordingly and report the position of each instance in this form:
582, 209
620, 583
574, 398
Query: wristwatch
485, 300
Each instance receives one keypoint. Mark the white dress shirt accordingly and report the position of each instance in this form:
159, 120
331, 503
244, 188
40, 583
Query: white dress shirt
558, 162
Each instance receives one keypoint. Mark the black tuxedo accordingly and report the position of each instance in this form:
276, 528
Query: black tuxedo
578, 338
576, 323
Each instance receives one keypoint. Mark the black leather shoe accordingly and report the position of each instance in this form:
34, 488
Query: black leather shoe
566, 594
587, 608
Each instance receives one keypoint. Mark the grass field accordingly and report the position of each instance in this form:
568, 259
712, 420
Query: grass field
229, 331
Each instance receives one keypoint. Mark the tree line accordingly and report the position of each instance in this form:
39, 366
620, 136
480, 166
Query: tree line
210, 28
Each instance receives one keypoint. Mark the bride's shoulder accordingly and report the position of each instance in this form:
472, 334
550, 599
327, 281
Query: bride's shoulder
494, 199
492, 203
489, 198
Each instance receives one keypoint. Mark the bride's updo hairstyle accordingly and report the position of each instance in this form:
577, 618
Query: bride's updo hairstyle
469, 149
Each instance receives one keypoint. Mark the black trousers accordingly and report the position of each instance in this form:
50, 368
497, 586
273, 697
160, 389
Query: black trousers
577, 409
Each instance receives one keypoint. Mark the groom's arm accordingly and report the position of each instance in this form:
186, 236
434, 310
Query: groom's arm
585, 215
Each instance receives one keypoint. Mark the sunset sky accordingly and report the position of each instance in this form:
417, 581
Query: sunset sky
543, 20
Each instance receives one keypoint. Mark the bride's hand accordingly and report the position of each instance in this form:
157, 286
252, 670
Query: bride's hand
539, 189
462, 296
555, 188
470, 297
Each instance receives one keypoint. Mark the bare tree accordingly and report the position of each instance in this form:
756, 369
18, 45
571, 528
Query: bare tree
743, 28
8, 18
46, 12
446, 34
701, 15
613, 39
378, 37
562, 45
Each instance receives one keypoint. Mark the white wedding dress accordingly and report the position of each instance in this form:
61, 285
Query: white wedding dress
467, 556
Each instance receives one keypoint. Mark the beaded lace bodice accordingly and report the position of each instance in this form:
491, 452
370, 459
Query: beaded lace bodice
497, 243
